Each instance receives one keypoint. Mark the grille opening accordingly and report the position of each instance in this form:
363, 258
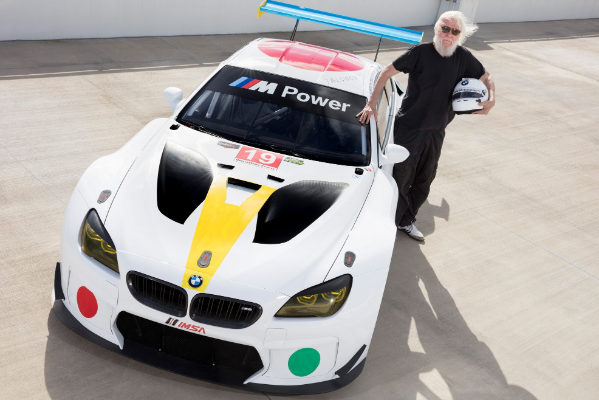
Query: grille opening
157, 294
243, 184
223, 311
225, 166
212, 353
275, 178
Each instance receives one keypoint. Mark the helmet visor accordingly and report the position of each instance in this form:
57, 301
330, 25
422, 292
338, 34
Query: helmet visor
466, 95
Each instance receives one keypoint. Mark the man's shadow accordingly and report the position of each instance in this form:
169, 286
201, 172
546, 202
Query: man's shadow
422, 344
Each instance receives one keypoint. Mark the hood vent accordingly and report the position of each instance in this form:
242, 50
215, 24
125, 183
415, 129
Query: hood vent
293, 208
239, 191
243, 184
184, 179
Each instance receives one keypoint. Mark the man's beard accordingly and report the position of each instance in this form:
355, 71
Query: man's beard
444, 51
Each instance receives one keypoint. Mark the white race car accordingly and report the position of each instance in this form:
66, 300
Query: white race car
245, 240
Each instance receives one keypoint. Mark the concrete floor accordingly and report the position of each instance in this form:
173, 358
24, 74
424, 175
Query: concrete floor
501, 302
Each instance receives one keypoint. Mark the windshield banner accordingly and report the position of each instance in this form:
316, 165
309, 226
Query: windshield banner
287, 92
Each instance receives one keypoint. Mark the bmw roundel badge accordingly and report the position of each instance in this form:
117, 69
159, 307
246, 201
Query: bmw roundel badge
465, 82
195, 281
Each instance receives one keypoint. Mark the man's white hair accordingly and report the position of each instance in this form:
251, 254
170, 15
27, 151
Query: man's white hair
466, 26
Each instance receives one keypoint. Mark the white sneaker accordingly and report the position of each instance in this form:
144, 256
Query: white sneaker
412, 232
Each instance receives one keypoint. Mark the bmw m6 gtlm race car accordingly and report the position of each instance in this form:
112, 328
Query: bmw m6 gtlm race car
245, 240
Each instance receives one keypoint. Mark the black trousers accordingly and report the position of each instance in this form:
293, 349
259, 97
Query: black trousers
415, 175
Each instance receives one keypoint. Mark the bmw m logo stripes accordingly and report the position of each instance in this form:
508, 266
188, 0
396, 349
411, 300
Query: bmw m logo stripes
171, 321
195, 281
245, 83
254, 84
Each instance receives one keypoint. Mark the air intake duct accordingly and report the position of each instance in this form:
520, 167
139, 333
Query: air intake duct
293, 208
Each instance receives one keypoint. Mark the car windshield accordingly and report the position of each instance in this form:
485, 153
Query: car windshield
282, 114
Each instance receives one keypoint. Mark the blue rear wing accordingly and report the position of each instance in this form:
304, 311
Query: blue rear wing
339, 21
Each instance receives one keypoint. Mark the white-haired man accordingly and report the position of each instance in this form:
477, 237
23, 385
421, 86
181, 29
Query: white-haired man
434, 69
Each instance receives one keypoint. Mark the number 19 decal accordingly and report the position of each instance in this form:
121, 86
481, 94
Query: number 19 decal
259, 157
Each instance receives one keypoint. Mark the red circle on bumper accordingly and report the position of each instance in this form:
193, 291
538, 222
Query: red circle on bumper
87, 303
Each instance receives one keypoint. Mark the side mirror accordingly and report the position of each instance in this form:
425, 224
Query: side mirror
395, 154
173, 97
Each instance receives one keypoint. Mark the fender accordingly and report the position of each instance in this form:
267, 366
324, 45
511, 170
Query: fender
373, 235
107, 173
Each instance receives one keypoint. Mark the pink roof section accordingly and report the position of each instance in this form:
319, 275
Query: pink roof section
311, 58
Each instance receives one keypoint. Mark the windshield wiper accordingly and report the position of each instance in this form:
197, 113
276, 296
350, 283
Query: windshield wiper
279, 149
201, 129
256, 144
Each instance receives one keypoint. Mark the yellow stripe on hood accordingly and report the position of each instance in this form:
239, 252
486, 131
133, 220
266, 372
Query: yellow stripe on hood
219, 227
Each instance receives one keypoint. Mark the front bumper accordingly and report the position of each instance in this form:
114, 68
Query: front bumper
342, 376
342, 340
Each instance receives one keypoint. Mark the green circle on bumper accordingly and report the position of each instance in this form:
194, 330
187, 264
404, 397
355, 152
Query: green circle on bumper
304, 361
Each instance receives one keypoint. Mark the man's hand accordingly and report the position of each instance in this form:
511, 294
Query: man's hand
487, 105
365, 114
370, 107
489, 82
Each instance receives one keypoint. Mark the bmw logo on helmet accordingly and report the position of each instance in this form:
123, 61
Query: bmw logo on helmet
195, 281
464, 82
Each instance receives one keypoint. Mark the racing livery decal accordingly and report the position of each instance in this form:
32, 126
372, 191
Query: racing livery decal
183, 325
260, 158
254, 84
219, 227
287, 92
228, 145
293, 161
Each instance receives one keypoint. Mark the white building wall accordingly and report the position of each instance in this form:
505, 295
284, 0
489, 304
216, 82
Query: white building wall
69, 19
535, 10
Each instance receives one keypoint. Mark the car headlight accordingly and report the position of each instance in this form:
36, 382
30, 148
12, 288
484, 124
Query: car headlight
96, 242
319, 301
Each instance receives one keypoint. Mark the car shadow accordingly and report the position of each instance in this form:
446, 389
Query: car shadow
428, 341
422, 346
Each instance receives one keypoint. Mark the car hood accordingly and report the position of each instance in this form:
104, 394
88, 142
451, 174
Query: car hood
238, 253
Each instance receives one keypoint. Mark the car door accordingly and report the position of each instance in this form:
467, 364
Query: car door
386, 109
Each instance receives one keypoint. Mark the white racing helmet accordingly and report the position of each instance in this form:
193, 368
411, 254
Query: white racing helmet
467, 95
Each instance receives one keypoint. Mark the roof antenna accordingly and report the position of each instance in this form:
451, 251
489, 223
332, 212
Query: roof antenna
294, 29
377, 49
